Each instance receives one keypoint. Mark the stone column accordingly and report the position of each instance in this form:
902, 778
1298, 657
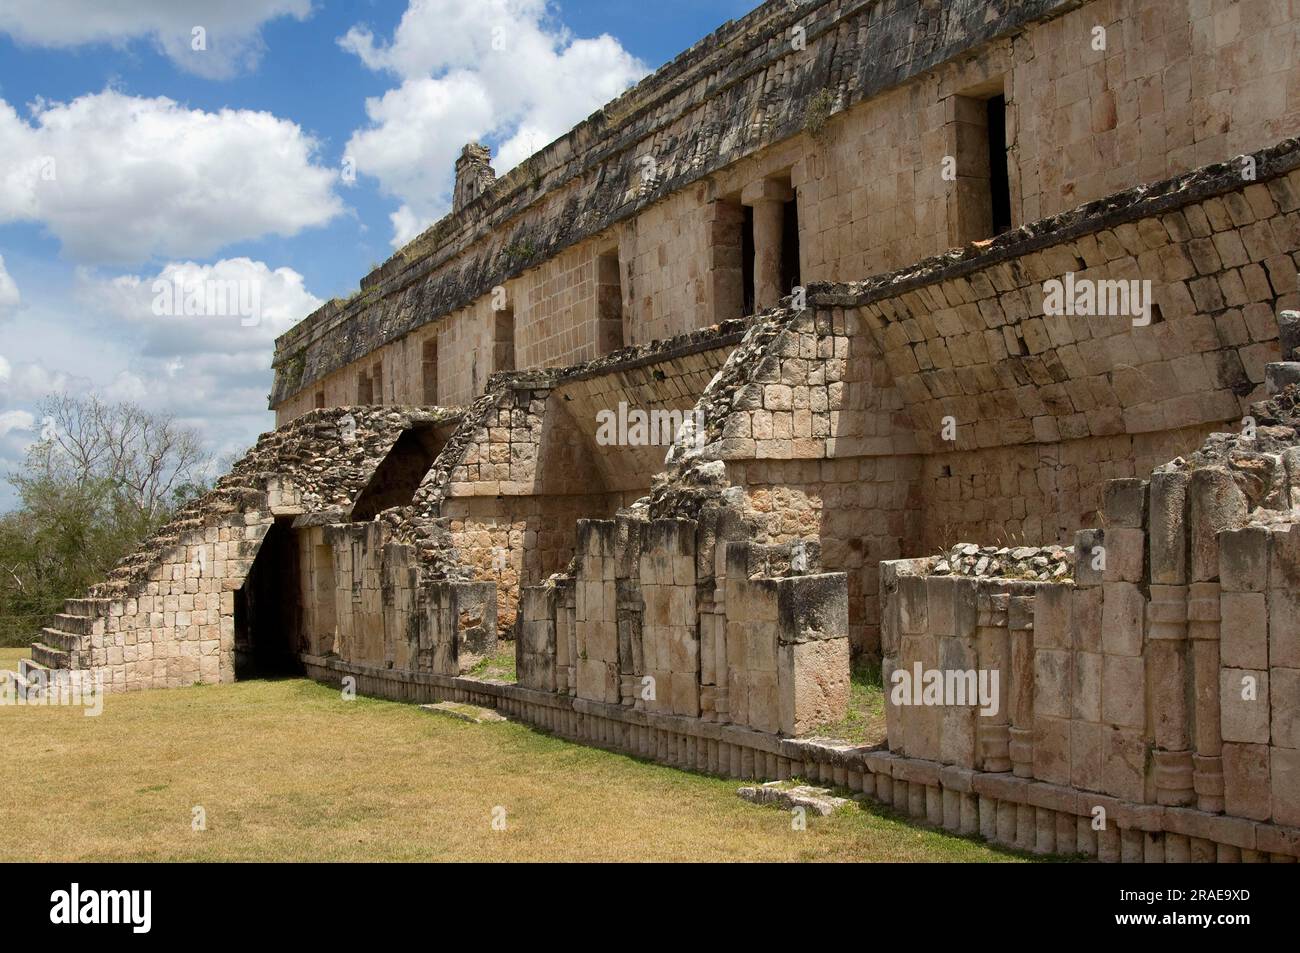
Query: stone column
1167, 633
993, 646
1166, 683
1020, 630
767, 197
1203, 631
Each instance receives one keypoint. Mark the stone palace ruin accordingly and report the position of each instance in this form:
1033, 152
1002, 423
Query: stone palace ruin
956, 337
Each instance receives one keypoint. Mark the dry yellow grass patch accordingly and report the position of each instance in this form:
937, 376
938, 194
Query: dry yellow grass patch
288, 770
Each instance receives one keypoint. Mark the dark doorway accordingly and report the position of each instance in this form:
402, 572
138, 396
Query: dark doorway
747, 259
267, 609
790, 247
999, 179
609, 303
429, 370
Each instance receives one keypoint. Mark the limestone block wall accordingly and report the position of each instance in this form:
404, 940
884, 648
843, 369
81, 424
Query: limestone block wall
1157, 684
1043, 409
176, 628
1171, 85
659, 616
386, 615
533, 458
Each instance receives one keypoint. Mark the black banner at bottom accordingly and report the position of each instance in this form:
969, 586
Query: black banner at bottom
140, 902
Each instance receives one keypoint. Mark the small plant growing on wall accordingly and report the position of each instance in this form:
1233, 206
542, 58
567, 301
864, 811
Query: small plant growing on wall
818, 113
520, 251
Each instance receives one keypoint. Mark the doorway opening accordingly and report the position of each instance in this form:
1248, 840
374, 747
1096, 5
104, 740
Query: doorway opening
268, 611
790, 246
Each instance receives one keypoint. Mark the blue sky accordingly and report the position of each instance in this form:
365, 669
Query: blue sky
128, 156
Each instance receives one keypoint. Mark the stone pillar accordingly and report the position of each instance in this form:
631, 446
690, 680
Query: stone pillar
767, 198
1203, 631
1166, 684
1167, 651
993, 646
1020, 630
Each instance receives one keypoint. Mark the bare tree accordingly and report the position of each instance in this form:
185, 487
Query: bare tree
148, 459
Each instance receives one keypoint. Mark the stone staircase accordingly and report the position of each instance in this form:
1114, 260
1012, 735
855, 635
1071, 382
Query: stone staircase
63, 645
322, 459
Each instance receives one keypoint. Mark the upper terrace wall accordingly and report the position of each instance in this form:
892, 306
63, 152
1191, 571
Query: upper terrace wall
1082, 122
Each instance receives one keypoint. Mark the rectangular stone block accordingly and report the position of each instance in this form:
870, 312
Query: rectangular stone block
1243, 559
940, 592
1124, 503
1167, 521
1124, 763
1244, 705
764, 702
1243, 629
1086, 691
1125, 555
1052, 750
598, 680
1088, 545
813, 680
1284, 627
1123, 611
1087, 605
1053, 680
1247, 791
1284, 704
1123, 691
1085, 755
1053, 609
1285, 780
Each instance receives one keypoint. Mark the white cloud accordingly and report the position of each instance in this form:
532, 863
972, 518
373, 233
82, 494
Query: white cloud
501, 70
191, 316
11, 420
232, 38
200, 365
211, 371
122, 179
9, 297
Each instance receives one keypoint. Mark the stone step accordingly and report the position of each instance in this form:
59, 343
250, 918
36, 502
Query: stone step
48, 657
28, 665
89, 607
74, 624
63, 641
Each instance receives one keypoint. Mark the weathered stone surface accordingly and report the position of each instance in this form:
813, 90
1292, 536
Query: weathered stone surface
789, 795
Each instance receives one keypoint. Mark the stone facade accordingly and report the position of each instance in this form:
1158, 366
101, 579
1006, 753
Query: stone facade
795, 250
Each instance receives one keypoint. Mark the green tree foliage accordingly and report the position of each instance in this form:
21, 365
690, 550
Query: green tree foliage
102, 477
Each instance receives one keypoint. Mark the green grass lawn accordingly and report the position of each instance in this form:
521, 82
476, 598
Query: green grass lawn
288, 770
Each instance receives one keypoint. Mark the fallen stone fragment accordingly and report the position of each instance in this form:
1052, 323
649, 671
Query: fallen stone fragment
471, 713
791, 794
